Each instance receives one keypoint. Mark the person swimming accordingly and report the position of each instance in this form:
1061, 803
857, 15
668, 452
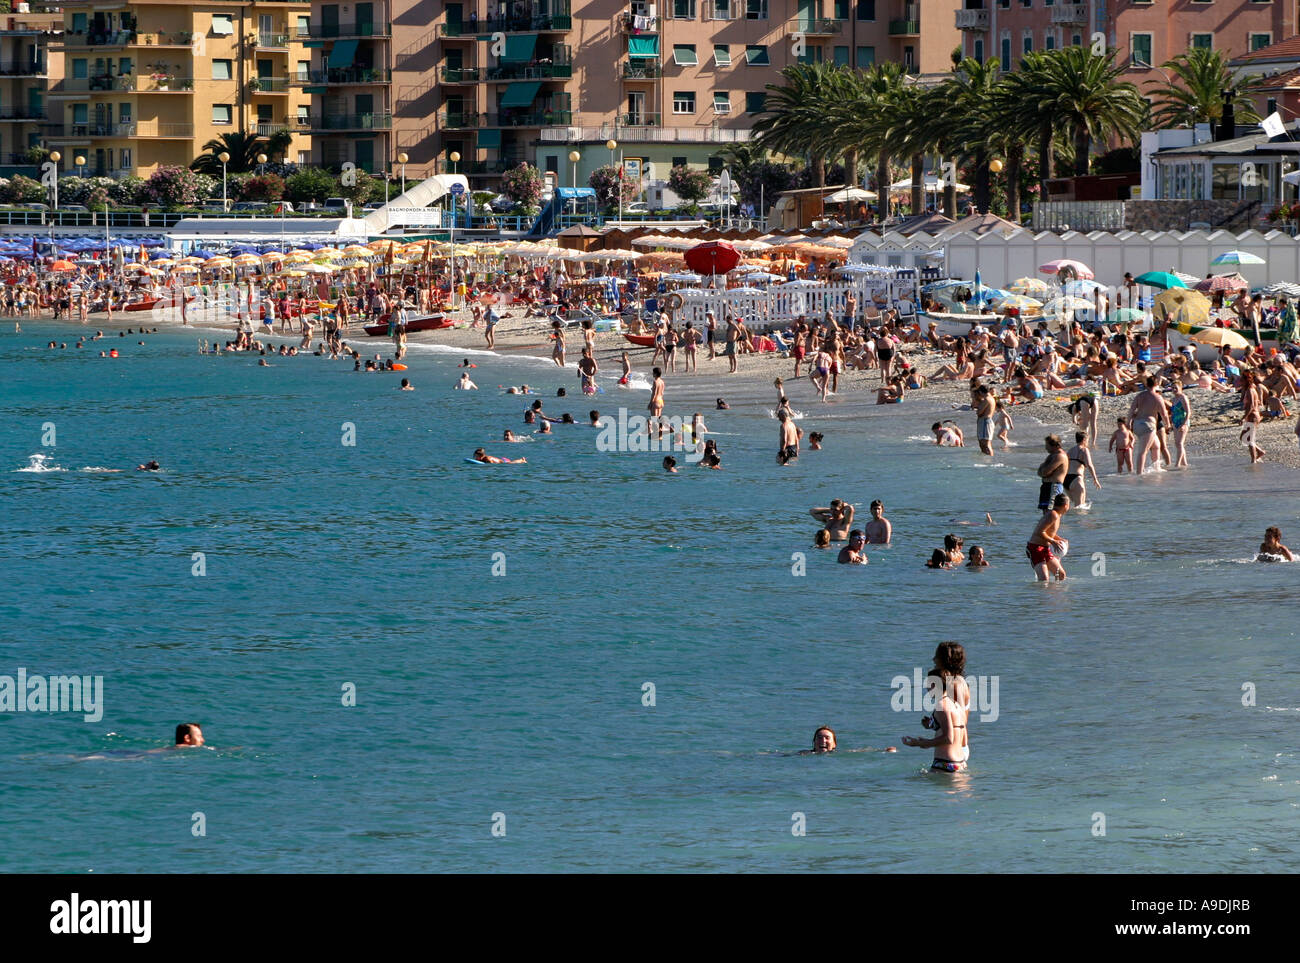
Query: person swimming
670, 464
482, 456
149, 466
1272, 549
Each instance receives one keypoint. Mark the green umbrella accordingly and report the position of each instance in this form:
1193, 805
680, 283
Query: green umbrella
1125, 316
1160, 279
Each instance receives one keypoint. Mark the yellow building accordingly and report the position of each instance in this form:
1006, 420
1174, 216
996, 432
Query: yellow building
146, 83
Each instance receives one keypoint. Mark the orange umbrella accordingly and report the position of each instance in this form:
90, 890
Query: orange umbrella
63, 266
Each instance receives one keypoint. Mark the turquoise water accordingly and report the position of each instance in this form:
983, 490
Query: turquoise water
521, 693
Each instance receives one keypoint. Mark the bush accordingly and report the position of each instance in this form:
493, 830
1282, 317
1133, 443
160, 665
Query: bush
267, 187
22, 190
75, 190
691, 186
606, 183
173, 187
361, 189
523, 185
763, 182
129, 191
97, 199
310, 184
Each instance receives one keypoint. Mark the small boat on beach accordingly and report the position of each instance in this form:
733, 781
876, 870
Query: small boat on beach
957, 325
641, 340
434, 322
148, 303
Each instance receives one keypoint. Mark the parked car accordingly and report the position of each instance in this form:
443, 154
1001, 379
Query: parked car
216, 204
34, 207
501, 204
249, 207
336, 205
636, 207
74, 209
373, 206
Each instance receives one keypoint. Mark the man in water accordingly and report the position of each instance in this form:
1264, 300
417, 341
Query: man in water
789, 443
879, 530
1080, 460
189, 734
588, 369
852, 553
465, 384
985, 406
837, 519
1045, 538
149, 466
1147, 413
1052, 471
656, 405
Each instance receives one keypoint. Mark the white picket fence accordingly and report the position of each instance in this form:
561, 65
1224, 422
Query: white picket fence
783, 304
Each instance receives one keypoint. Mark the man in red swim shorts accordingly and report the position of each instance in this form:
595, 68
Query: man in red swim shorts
1045, 538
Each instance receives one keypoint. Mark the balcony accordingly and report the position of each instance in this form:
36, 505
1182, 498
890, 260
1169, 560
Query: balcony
21, 113
551, 23
1070, 13
21, 68
128, 38
460, 75
816, 26
273, 41
373, 121
977, 20
131, 83
640, 120
633, 24
529, 118
339, 31
269, 85
905, 28
271, 128
459, 120
343, 75
144, 128
642, 69
537, 71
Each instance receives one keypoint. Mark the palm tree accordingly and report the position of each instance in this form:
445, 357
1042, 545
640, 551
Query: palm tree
242, 147
1090, 102
794, 120
1028, 108
973, 88
861, 117
908, 133
1194, 95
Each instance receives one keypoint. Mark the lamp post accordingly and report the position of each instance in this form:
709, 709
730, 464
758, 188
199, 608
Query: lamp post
55, 157
612, 145
402, 159
454, 157
574, 157
81, 165
225, 159
261, 164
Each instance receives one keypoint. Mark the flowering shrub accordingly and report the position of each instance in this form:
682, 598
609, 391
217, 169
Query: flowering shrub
267, 187
173, 187
606, 183
21, 190
523, 184
689, 185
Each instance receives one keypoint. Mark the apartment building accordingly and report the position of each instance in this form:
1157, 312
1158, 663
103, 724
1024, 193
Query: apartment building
1145, 33
503, 81
25, 67
145, 83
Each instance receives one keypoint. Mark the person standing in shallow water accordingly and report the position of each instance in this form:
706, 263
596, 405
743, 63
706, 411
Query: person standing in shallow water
946, 686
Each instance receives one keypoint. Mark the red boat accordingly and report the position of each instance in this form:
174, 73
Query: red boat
433, 322
641, 340
147, 304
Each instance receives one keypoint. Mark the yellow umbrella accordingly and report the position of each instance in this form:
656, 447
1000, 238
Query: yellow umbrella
217, 262
1190, 307
185, 269
302, 252
1020, 302
297, 259
292, 274
1030, 287
190, 260
356, 250
381, 244
245, 260
1220, 337
133, 266
162, 262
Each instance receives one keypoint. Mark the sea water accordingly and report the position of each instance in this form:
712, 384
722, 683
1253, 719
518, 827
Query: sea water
584, 663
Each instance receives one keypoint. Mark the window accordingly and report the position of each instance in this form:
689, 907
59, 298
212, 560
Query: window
721, 55
79, 23
755, 103
1027, 43
304, 158
1004, 4
124, 115
1026, 3
1076, 40
79, 71
304, 27
221, 69
722, 101
684, 9
719, 9
1270, 107
1202, 41
1140, 45
679, 161
221, 113
79, 113
684, 55
841, 9
866, 56
756, 55
683, 101
304, 69
755, 9
303, 114
1258, 41
223, 24
866, 9
1006, 54
1049, 41
979, 51
842, 56
909, 58
126, 158
811, 55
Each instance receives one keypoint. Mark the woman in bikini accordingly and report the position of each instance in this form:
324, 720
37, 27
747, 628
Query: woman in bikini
947, 687
557, 333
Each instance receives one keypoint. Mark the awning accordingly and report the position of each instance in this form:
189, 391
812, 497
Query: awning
643, 47
684, 55
490, 138
521, 94
343, 53
519, 48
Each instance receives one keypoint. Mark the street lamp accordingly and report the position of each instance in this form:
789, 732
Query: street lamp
454, 157
225, 159
261, 164
81, 165
55, 157
612, 145
574, 157
402, 159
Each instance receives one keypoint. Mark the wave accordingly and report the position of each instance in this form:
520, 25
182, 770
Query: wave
39, 464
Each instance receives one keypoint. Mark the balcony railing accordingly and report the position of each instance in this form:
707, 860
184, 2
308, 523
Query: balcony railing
634, 24
269, 85
21, 68
1070, 13
334, 31
144, 128
270, 128
641, 69
905, 28
21, 113
461, 75
973, 20
130, 38
539, 71
134, 83
373, 121
816, 26
345, 75
525, 24
459, 120
273, 40
641, 120
529, 118
644, 132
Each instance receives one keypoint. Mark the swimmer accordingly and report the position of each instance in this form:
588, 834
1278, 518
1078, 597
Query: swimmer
512, 437
852, 553
1273, 546
948, 434
189, 734
670, 464
822, 539
149, 466
406, 385
595, 418
1045, 538
722, 405
824, 740
466, 364
543, 428
815, 441
879, 529
837, 519
977, 559
1121, 443
262, 363
482, 456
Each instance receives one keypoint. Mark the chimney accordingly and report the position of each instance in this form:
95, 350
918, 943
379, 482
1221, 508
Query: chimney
1228, 123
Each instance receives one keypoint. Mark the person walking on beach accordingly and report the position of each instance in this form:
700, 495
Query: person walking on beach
733, 335
1147, 413
1082, 458
1045, 538
1052, 471
1252, 407
557, 335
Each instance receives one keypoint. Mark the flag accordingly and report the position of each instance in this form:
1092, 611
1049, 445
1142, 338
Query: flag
1273, 125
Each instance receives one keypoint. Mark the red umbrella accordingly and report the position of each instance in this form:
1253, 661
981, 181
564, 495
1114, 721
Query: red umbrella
63, 266
1223, 282
713, 257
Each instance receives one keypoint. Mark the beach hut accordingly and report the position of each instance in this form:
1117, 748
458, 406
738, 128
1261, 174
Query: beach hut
580, 237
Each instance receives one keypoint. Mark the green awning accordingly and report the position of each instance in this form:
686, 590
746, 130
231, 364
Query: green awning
521, 94
490, 139
519, 48
343, 53
684, 55
643, 47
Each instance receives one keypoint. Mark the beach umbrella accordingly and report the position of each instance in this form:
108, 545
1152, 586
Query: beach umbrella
246, 260
1021, 303
683, 277
1220, 337
1067, 267
1080, 287
297, 252
1223, 282
713, 257
317, 269
760, 276
1029, 287
1125, 316
185, 269
1182, 302
1238, 257
63, 266
356, 250
1160, 279
217, 262
133, 266
1059, 307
